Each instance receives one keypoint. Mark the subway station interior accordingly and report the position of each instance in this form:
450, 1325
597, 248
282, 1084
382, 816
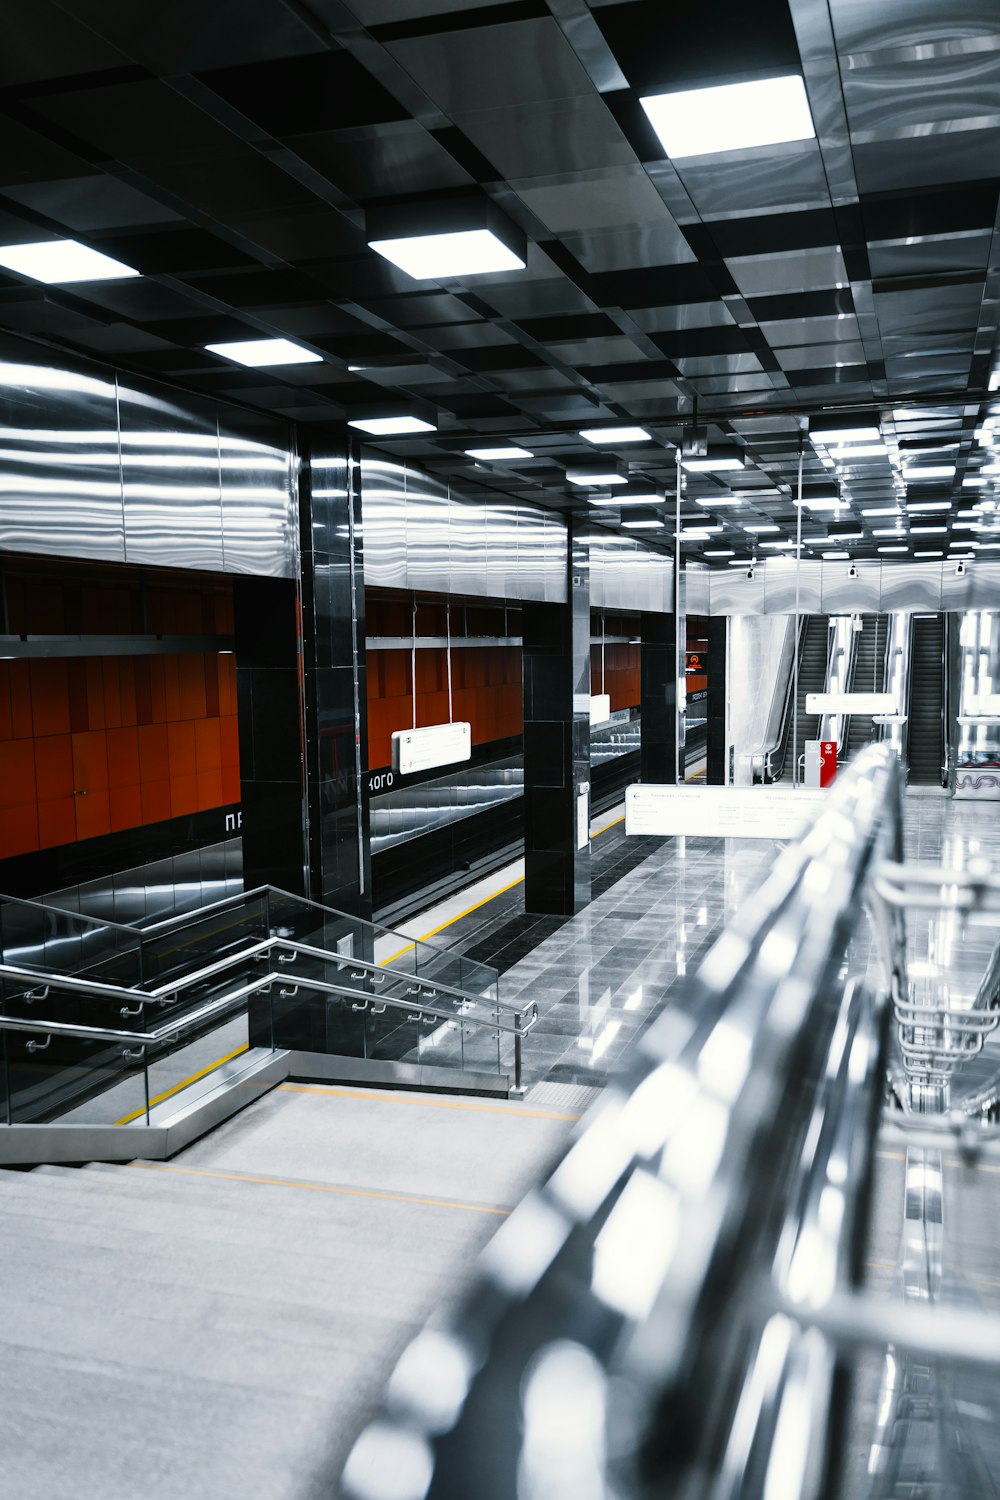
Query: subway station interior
500, 750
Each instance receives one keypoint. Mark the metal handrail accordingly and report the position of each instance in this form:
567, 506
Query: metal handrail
626, 1291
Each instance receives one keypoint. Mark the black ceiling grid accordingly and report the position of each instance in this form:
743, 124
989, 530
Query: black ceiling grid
229, 153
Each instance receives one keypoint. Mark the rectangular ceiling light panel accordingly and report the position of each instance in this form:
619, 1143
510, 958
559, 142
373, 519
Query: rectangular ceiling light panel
731, 116
260, 352
462, 252
612, 435
61, 262
497, 455
391, 426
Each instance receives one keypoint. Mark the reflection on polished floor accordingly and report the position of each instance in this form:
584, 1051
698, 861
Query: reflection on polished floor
600, 977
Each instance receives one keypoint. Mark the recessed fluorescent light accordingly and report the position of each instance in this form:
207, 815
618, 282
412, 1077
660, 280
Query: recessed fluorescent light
883, 510
784, 543
699, 531
918, 505
600, 435
716, 504
974, 481
821, 504
391, 426
620, 500
740, 562
718, 552
497, 454
712, 465
859, 450
995, 381
759, 526
928, 554
259, 352
892, 549
599, 477
927, 531
731, 116
887, 530
435, 257
833, 556
929, 471
839, 436
971, 523
642, 525
61, 262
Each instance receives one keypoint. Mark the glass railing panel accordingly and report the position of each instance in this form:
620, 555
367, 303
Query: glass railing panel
184, 1072
33, 936
51, 1078
179, 948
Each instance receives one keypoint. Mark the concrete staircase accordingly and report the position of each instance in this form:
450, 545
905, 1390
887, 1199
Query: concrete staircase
219, 1326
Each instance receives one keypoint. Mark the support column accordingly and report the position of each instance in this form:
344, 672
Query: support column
718, 642
658, 698
334, 673
556, 678
270, 728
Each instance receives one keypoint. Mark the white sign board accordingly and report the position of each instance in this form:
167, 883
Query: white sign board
986, 706
436, 745
582, 817
600, 708
850, 703
728, 812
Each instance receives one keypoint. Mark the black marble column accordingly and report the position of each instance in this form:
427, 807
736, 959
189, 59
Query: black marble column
556, 676
270, 727
658, 698
718, 637
334, 672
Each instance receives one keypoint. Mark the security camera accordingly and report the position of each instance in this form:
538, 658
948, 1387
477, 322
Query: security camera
960, 569
852, 571
750, 572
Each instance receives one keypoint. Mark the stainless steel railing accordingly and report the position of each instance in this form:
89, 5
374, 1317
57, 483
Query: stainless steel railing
665, 1313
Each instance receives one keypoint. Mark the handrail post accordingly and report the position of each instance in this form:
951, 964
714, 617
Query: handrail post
517, 1092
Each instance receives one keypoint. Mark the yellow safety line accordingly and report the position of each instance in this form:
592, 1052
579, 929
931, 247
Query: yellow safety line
168, 1093
333, 1091
485, 901
320, 1187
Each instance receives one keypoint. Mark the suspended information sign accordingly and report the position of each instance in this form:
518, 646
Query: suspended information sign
726, 812
434, 745
850, 703
600, 708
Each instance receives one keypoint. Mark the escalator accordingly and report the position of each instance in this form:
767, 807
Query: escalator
813, 653
925, 724
868, 677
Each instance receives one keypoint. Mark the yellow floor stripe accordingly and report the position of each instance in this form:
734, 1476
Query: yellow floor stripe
486, 900
334, 1092
321, 1187
169, 1093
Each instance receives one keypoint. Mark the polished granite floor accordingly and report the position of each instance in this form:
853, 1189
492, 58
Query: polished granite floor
600, 977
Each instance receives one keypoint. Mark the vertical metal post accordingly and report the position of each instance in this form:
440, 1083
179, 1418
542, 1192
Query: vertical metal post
145, 1077
447, 616
413, 663
6, 1081
678, 644
517, 1052
795, 657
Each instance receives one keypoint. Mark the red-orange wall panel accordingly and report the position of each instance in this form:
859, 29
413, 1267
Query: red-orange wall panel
54, 766
123, 756
180, 743
126, 807
18, 830
93, 814
155, 801
17, 773
49, 697
154, 754
183, 795
20, 700
6, 717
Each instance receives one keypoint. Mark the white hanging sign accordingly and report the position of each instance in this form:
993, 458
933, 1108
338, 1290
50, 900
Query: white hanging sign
850, 703
731, 812
434, 745
600, 708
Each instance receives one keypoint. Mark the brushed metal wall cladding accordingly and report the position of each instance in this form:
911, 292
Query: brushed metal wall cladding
626, 575
912, 586
60, 481
977, 588
848, 589
172, 495
260, 513
117, 471
780, 590
733, 593
419, 536
696, 580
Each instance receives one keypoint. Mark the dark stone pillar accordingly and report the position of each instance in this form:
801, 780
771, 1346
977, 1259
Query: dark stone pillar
270, 726
556, 647
658, 688
718, 637
334, 673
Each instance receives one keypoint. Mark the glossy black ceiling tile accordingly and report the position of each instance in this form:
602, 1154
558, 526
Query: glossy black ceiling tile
142, 123
802, 304
582, 326
44, 43
187, 36
660, 49
398, 157
173, 251
493, 67
889, 216
660, 287
299, 95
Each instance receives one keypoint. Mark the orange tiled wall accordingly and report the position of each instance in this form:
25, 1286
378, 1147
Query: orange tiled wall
486, 690
94, 744
621, 674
